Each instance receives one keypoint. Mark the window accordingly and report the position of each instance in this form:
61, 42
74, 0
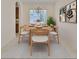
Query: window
38, 14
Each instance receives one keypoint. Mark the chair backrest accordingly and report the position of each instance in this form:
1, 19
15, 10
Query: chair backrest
56, 28
39, 32
24, 28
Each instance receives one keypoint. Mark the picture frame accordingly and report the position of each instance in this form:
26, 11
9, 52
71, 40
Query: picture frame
68, 13
62, 15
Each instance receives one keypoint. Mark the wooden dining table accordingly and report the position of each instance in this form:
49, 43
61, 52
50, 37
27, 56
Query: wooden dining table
47, 27
39, 30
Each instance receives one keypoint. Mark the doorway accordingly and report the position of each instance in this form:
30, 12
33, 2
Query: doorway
17, 17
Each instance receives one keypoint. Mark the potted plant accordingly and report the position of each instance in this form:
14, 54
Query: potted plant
50, 21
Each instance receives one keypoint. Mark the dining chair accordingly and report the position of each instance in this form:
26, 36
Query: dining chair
39, 36
55, 33
24, 31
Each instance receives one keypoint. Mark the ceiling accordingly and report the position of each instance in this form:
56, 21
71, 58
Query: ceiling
39, 1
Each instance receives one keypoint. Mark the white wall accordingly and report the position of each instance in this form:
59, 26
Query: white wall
21, 14
7, 21
67, 31
26, 7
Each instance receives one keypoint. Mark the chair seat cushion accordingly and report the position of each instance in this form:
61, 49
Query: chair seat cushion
39, 38
25, 32
53, 33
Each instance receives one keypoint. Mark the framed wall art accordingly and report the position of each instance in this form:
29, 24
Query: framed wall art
68, 13
62, 14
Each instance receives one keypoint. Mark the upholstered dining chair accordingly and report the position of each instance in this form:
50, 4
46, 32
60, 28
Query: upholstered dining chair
24, 31
55, 33
39, 36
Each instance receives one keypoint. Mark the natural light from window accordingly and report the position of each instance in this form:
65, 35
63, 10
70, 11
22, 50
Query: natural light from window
38, 15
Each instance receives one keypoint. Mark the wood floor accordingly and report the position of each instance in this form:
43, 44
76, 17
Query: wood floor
15, 50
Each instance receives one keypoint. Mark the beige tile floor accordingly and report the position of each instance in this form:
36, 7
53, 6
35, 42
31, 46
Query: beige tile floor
15, 50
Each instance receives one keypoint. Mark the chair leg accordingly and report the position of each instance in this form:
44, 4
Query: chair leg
19, 39
48, 49
58, 39
31, 49
29, 38
29, 41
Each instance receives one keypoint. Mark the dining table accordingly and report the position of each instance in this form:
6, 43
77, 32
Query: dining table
39, 30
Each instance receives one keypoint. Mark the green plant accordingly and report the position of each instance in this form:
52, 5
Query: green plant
50, 20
